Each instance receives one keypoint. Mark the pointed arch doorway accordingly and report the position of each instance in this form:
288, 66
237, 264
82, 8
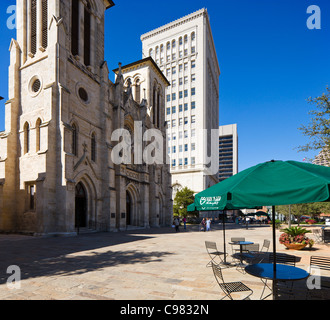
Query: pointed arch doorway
80, 206
129, 209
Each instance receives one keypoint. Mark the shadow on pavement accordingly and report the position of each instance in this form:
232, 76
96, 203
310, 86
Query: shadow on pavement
38, 257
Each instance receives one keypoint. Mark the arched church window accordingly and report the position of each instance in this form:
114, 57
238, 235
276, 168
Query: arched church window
38, 124
158, 109
44, 23
33, 26
26, 138
154, 106
93, 147
75, 27
87, 35
74, 140
137, 91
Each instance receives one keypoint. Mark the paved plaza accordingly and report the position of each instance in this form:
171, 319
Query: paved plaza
153, 264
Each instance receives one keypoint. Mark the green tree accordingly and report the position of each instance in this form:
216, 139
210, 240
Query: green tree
183, 198
318, 130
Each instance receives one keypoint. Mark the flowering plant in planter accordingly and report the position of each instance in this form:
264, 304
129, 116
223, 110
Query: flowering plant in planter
310, 221
295, 235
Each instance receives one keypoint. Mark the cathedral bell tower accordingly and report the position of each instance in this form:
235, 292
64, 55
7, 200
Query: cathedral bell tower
57, 77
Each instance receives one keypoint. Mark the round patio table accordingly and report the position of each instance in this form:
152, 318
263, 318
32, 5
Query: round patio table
283, 272
241, 244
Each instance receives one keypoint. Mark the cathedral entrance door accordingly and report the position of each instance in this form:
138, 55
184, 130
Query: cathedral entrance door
128, 208
81, 207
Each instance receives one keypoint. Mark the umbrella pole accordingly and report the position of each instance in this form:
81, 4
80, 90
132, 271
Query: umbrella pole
224, 238
274, 253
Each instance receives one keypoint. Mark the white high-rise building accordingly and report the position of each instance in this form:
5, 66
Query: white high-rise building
184, 50
228, 151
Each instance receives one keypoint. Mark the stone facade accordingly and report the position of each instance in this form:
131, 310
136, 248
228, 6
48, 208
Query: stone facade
56, 167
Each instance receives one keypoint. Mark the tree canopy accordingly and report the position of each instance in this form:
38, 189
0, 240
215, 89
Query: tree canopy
318, 130
183, 198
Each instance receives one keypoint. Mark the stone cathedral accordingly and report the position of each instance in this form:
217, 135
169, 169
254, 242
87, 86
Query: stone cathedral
57, 173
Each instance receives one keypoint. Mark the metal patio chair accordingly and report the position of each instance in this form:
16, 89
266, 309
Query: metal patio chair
319, 263
251, 256
212, 250
318, 235
229, 287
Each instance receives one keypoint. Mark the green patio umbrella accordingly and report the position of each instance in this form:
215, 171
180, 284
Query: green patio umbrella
258, 214
268, 184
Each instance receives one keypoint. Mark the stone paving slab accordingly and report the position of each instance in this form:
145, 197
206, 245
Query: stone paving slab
153, 264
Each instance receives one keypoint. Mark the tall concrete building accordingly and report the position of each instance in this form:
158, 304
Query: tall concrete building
323, 158
57, 172
184, 50
228, 151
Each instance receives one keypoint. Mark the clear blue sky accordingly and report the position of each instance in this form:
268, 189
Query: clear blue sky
270, 63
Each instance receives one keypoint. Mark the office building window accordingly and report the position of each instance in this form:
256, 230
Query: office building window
180, 108
185, 161
193, 91
193, 119
193, 105
173, 96
168, 111
193, 147
186, 107
185, 147
173, 109
193, 64
168, 98
185, 120
174, 149
193, 161
173, 163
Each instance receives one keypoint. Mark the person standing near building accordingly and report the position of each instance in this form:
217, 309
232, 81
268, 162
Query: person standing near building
208, 224
176, 223
184, 223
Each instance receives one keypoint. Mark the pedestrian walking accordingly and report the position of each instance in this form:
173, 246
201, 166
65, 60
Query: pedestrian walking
184, 223
208, 224
177, 224
203, 224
